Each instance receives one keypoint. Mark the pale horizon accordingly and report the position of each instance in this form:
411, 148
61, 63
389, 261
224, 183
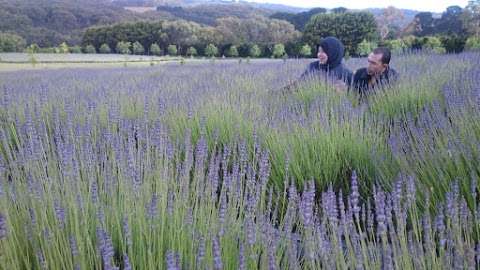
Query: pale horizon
433, 6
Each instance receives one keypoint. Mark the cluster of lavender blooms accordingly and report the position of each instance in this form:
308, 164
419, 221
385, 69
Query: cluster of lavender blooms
94, 176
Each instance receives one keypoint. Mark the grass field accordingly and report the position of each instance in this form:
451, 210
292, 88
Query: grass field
210, 165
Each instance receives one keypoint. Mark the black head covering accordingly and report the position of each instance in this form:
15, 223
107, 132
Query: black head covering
335, 51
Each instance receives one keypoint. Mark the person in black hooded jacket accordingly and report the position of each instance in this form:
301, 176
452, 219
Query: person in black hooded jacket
329, 65
330, 56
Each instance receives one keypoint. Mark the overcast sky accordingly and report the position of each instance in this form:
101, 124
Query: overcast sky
434, 6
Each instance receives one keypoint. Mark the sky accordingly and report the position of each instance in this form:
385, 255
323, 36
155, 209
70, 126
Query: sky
420, 5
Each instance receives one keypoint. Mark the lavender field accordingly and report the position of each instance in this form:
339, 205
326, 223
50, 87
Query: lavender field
211, 166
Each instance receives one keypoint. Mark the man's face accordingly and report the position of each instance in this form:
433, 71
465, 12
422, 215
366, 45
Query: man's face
322, 56
375, 65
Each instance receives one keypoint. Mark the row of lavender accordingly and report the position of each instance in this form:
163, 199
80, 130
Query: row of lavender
193, 167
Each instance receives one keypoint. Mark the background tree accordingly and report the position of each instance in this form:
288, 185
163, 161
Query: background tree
396, 45
76, 49
123, 47
191, 51
299, 20
254, 51
388, 22
211, 50
471, 18
365, 47
306, 51
11, 42
172, 50
434, 44
138, 48
350, 28
339, 10
232, 51
278, 50
63, 48
473, 43
91, 49
155, 49
105, 48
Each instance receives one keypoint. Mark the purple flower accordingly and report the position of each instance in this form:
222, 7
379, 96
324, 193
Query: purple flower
217, 254
107, 251
171, 261
201, 252
60, 214
126, 232
241, 257
73, 245
3, 227
379, 197
354, 196
126, 262
152, 209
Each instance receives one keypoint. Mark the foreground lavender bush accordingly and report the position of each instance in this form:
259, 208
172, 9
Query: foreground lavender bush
182, 167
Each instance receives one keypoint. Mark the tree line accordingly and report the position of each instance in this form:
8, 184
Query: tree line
278, 36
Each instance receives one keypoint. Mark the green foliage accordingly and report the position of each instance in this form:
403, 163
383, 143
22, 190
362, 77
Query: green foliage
90, 49
232, 51
306, 50
278, 50
123, 47
472, 43
104, 48
48, 23
396, 45
254, 51
191, 51
155, 49
138, 48
365, 47
33, 48
11, 42
434, 44
350, 27
76, 49
172, 50
211, 50
299, 20
63, 48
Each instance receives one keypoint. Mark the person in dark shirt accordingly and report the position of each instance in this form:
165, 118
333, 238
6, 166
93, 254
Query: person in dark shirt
330, 57
329, 65
377, 75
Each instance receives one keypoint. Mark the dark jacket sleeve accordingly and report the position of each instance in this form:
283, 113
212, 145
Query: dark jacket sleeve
312, 67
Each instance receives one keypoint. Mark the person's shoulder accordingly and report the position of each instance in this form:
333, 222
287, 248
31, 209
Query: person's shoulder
361, 73
392, 73
313, 65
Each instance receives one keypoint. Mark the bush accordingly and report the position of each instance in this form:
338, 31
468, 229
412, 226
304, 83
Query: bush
232, 51
91, 49
434, 44
123, 47
211, 50
11, 43
172, 50
254, 51
278, 51
155, 49
472, 43
76, 49
365, 47
105, 48
63, 48
396, 45
306, 50
192, 51
138, 48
